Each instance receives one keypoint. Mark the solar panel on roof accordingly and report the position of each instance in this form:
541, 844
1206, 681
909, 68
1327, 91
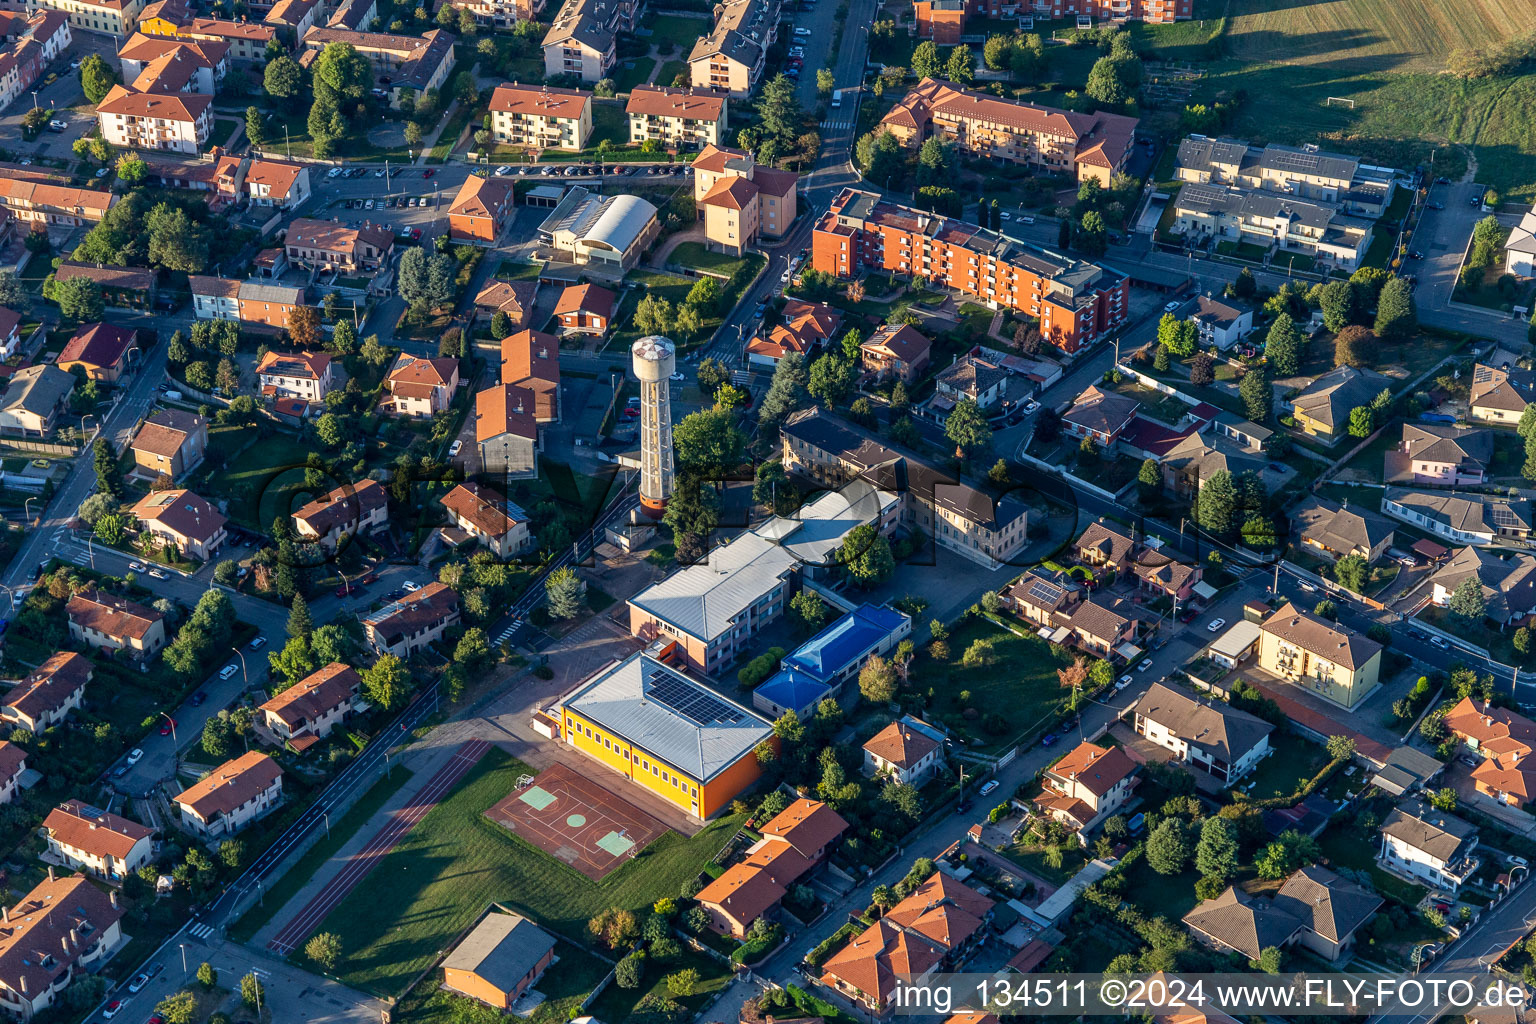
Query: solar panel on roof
689, 701
1502, 516
1044, 593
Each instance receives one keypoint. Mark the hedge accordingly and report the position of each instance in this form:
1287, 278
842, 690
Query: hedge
822, 953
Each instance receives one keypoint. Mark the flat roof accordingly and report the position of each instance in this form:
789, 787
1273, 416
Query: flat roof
670, 716
1238, 638
703, 599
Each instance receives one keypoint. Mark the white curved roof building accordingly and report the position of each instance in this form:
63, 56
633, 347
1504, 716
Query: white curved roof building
611, 231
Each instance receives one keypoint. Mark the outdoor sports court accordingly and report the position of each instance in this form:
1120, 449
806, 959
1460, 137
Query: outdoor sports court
576, 821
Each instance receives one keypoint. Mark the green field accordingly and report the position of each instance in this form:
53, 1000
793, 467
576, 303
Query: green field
261, 480
625, 79
455, 862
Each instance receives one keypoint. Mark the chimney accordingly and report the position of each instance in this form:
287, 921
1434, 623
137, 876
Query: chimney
64, 943
5, 913
50, 872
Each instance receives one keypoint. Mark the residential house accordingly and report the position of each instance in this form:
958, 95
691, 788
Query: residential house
303, 375
1322, 408
1464, 517
231, 796
514, 298
1099, 414
1103, 545
607, 234
1499, 394
268, 304
1077, 145
507, 432
33, 398
1314, 907
160, 64
1103, 628
247, 40
176, 122
403, 65
1305, 172
330, 245
1221, 324
1329, 659
1520, 247
1162, 575
110, 622
170, 442
61, 931
102, 351
1087, 785
971, 377
306, 712
498, 524
1331, 531
128, 287
531, 360
501, 14
896, 350
419, 618
586, 309
214, 298
741, 201
1042, 596
274, 183
944, 21
420, 387
541, 117
47, 694
677, 118
581, 40
1504, 742
10, 332
481, 209
731, 56
1279, 224
28, 45
499, 960
1204, 453
908, 751
112, 17
1429, 846
347, 511
824, 665
1217, 739
1508, 582
180, 519
103, 845
806, 328
13, 762
292, 18
42, 203
1438, 455
794, 842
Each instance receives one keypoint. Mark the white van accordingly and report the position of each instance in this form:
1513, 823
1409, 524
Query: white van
228, 670
837, 97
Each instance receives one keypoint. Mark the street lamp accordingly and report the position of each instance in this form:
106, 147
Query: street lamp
92, 549
168, 718
183, 947
243, 674
27, 508
34, 99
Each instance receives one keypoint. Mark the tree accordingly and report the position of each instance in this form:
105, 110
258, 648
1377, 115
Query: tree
825, 80
1396, 317
12, 292
105, 464
103, 504
1270, 960
925, 61
788, 392
831, 379
1341, 748
1149, 477
683, 982
877, 680
1091, 237
1216, 855
628, 971
712, 375
810, 609
967, 428
131, 169
1202, 369
704, 296
304, 325
961, 66
1467, 602
501, 325
215, 740
387, 683
96, 78
1108, 81
1443, 799
614, 927
1283, 856
299, 621
1256, 393
1361, 421
1353, 572
295, 661
564, 593
79, 298
324, 948
413, 133
654, 315
1487, 240
252, 992
866, 556
1168, 847
1337, 301
709, 442
1283, 346
1354, 345
1215, 506
207, 975
284, 79
178, 1008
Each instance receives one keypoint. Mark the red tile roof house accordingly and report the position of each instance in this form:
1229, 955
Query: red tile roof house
1101, 415
232, 796
898, 350
907, 751
170, 442
418, 387
48, 693
349, 510
1087, 785
106, 846
586, 309
413, 622
103, 351
10, 332
182, 520
71, 920
13, 761
793, 843
491, 519
333, 246
106, 621
306, 712
807, 326
303, 375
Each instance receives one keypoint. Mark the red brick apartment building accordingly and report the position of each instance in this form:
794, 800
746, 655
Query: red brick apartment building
1076, 302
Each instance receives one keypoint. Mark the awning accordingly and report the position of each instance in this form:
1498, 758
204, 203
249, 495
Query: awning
1061, 635
1129, 651
1204, 591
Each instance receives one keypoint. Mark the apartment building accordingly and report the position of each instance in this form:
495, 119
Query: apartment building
741, 201
13, 761
1087, 786
181, 520
292, 18
401, 64
531, 360
794, 842
581, 40
1208, 735
247, 40
103, 845
541, 117
28, 44
354, 15
61, 931
347, 511
112, 17
1006, 131
303, 375
730, 58
1304, 172
1330, 660
110, 622
481, 210
166, 64
177, 123
1429, 846
232, 796
331, 245
1211, 214
263, 182
32, 201
1153, 12
503, 14
677, 118
46, 695
251, 301
306, 712
1076, 302
419, 618
496, 523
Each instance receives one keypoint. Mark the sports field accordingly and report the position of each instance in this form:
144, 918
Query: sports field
576, 821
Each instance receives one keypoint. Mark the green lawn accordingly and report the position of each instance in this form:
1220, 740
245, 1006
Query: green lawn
680, 32
670, 70
220, 133
618, 1004
462, 117
696, 256
1341, 844
1169, 896
1293, 762
625, 79
261, 480
1033, 860
455, 862
564, 986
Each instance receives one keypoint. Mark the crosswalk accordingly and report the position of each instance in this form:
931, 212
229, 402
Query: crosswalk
835, 125
201, 931
506, 634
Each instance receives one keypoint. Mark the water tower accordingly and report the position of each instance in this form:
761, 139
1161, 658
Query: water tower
655, 360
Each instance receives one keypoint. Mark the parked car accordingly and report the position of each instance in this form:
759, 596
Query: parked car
134, 757
1144, 665
157, 574
1125, 681
1215, 625
58, 126
198, 699
110, 1010
258, 643
1172, 306
409, 587
138, 983
455, 448
169, 725
136, 566
1439, 641
1048, 739
990, 786
228, 670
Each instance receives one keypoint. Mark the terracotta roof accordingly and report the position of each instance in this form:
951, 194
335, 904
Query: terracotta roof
1338, 644
102, 345
483, 508
333, 237
311, 365
531, 360
773, 181
132, 278
542, 100
1110, 544
748, 888
1495, 729
343, 505
223, 287
901, 745
9, 321
231, 784
655, 101
482, 197
942, 910
316, 695
418, 377
807, 825
109, 615
875, 958
12, 757
143, 48
277, 175
899, 341
49, 686
289, 12
515, 298
505, 409
165, 431
182, 512
587, 298
414, 612
79, 826
47, 919
720, 159
254, 31
185, 107
731, 193
1097, 769
1513, 773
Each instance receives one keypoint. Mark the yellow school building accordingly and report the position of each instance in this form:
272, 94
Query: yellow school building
666, 733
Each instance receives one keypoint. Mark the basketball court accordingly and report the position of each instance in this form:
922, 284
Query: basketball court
576, 821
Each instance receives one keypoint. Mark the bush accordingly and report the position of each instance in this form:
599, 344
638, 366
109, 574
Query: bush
822, 953
759, 668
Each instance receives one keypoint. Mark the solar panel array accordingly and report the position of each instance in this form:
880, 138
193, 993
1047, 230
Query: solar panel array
1044, 593
1504, 517
689, 701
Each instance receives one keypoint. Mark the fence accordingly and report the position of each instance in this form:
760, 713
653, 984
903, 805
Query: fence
24, 444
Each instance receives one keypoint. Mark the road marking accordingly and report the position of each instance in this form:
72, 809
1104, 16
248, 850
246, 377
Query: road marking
201, 931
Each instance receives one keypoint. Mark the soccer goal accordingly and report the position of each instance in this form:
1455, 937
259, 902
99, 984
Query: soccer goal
1341, 100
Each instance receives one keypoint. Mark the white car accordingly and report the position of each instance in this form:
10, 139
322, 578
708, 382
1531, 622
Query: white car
1125, 681
503, 171
136, 566
157, 574
1309, 588
368, 205
134, 757
228, 670
333, 172
1144, 665
379, 173
989, 787
409, 587
1172, 306
803, 33
1215, 625
678, 376
258, 643
1439, 641
1030, 406
454, 448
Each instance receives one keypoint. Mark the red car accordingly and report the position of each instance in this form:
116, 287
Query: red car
167, 726
415, 234
428, 172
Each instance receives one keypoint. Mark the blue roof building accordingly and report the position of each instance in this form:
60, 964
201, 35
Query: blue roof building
819, 667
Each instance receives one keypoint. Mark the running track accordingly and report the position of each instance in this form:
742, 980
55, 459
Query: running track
296, 931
